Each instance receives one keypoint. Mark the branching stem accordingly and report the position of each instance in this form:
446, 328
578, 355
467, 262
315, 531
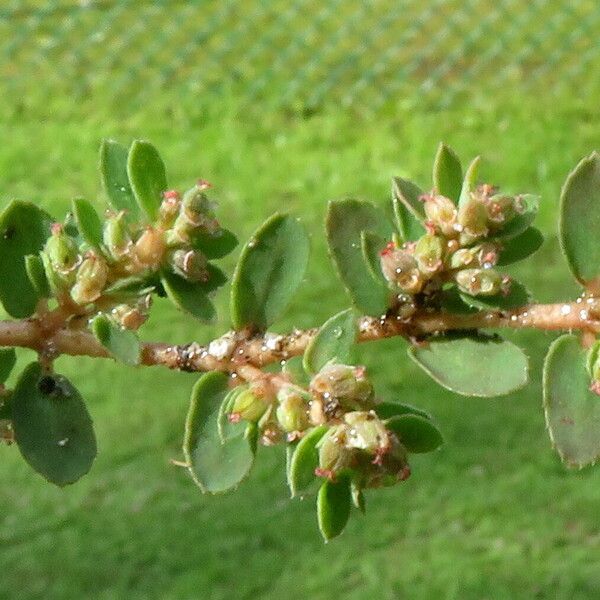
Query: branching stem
242, 353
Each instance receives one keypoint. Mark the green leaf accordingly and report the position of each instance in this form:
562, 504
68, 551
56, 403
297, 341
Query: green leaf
517, 296
371, 245
225, 427
88, 222
447, 173
469, 181
215, 246
215, 466
333, 341
304, 461
24, 229
474, 365
579, 221
333, 506
147, 177
294, 369
522, 221
346, 220
122, 343
408, 209
8, 358
52, 426
520, 247
452, 302
387, 410
113, 171
34, 267
416, 433
572, 410
270, 269
129, 288
193, 297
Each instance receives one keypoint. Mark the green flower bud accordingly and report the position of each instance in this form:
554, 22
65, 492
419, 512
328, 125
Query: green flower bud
190, 264
248, 406
333, 453
401, 271
150, 247
479, 282
133, 317
92, 275
116, 236
473, 219
292, 412
366, 432
196, 214
429, 252
169, 209
442, 213
500, 210
341, 388
60, 259
487, 255
462, 258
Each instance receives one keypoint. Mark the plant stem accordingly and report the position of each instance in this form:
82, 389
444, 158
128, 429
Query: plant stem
231, 352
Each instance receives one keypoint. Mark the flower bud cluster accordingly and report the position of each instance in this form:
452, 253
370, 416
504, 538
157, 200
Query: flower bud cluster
118, 275
459, 246
341, 398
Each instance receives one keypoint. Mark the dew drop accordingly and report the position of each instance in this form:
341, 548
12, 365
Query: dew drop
565, 309
338, 332
584, 315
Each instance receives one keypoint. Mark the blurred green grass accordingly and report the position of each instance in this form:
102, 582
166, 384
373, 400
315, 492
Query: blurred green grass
493, 514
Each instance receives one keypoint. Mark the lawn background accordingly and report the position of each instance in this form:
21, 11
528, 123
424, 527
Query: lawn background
493, 514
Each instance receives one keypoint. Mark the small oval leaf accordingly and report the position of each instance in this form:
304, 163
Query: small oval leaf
52, 426
215, 466
572, 411
88, 222
24, 229
371, 245
447, 173
417, 434
387, 410
268, 273
408, 209
123, 344
333, 506
147, 176
346, 220
217, 245
473, 366
333, 341
579, 221
34, 267
520, 247
469, 181
304, 460
113, 171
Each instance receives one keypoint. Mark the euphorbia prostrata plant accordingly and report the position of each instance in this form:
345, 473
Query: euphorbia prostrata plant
433, 274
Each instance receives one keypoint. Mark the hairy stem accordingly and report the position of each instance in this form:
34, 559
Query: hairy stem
235, 351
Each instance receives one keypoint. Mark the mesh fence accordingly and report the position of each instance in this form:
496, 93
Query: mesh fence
298, 53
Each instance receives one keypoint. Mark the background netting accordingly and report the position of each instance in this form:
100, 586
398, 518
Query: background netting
298, 53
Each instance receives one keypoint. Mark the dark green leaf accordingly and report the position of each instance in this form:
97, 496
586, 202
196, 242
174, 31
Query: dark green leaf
473, 366
88, 222
346, 220
6, 405
147, 176
129, 288
522, 221
334, 340
517, 296
572, 410
333, 506
416, 433
193, 297
579, 221
214, 466
34, 267
469, 181
8, 358
269, 271
520, 247
387, 410
122, 343
408, 209
24, 229
304, 460
452, 302
447, 173
371, 245
215, 246
52, 426
113, 171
